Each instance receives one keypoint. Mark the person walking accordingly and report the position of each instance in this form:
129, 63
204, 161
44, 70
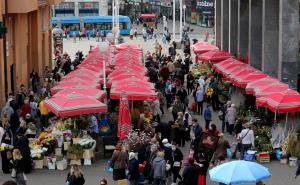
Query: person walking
191, 173
145, 34
19, 167
135, 33
200, 99
246, 138
177, 107
207, 116
176, 162
75, 177
131, 33
159, 169
133, 169
231, 115
8, 139
297, 171
119, 161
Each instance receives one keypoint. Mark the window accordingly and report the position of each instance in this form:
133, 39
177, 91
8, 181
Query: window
71, 27
88, 5
65, 5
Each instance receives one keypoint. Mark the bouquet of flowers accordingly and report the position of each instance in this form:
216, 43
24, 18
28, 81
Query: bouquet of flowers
38, 152
5, 147
67, 135
136, 139
87, 143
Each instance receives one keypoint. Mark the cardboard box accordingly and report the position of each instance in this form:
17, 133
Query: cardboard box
58, 151
88, 154
38, 164
87, 162
61, 165
77, 162
66, 145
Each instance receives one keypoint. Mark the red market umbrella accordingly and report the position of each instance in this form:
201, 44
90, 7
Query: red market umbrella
241, 72
274, 88
128, 82
77, 85
63, 106
125, 46
133, 93
265, 82
214, 56
124, 119
82, 78
91, 92
125, 73
226, 64
242, 81
202, 47
84, 71
282, 102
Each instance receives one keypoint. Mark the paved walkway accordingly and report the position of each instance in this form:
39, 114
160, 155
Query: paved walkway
281, 174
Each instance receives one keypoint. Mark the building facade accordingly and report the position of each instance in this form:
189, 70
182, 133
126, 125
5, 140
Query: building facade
27, 44
263, 31
81, 8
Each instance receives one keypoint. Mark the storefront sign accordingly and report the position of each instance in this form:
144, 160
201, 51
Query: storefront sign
193, 17
206, 4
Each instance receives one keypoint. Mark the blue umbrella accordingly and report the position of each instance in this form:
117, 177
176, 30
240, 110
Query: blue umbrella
239, 172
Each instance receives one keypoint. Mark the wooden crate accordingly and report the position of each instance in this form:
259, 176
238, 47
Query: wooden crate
263, 157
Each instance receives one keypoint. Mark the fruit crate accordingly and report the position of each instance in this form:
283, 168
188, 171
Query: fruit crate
263, 157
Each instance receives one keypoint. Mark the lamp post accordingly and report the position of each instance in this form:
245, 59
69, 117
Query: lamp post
174, 12
184, 15
103, 46
180, 21
113, 13
57, 34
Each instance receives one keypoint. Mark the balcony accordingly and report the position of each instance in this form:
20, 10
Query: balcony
22, 6
54, 2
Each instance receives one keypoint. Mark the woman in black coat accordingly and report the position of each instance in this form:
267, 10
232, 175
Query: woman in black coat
23, 145
133, 169
6, 155
191, 173
177, 157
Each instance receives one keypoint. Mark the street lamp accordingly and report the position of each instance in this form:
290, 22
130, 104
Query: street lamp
103, 46
180, 21
184, 15
57, 34
174, 12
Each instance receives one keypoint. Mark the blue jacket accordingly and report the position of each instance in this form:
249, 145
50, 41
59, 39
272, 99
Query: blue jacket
159, 168
207, 114
133, 169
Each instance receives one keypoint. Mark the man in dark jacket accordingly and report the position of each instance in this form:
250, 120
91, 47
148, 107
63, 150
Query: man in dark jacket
191, 173
298, 171
133, 169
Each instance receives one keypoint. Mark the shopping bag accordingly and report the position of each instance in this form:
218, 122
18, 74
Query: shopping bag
122, 182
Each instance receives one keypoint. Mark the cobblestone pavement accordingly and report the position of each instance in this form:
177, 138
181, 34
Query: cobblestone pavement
281, 174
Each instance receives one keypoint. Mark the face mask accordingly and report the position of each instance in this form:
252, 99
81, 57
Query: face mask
173, 148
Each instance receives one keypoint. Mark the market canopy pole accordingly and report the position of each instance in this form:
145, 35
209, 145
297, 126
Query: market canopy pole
174, 21
180, 21
103, 46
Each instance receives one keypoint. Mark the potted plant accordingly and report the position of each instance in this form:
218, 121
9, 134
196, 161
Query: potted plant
293, 148
75, 152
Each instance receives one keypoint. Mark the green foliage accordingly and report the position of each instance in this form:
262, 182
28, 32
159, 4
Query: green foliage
75, 149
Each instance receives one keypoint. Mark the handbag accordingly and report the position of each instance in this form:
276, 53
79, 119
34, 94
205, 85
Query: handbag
13, 173
176, 164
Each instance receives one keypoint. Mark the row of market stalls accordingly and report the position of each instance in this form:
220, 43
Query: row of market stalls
81, 94
270, 98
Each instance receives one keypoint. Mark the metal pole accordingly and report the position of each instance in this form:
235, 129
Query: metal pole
184, 14
5, 18
117, 22
174, 12
180, 21
113, 13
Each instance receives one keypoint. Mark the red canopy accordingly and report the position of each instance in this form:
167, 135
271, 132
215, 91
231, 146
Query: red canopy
129, 82
126, 46
241, 72
133, 93
274, 88
127, 73
88, 79
282, 102
242, 81
202, 47
85, 71
260, 84
124, 119
91, 92
70, 84
148, 16
227, 64
214, 56
63, 106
